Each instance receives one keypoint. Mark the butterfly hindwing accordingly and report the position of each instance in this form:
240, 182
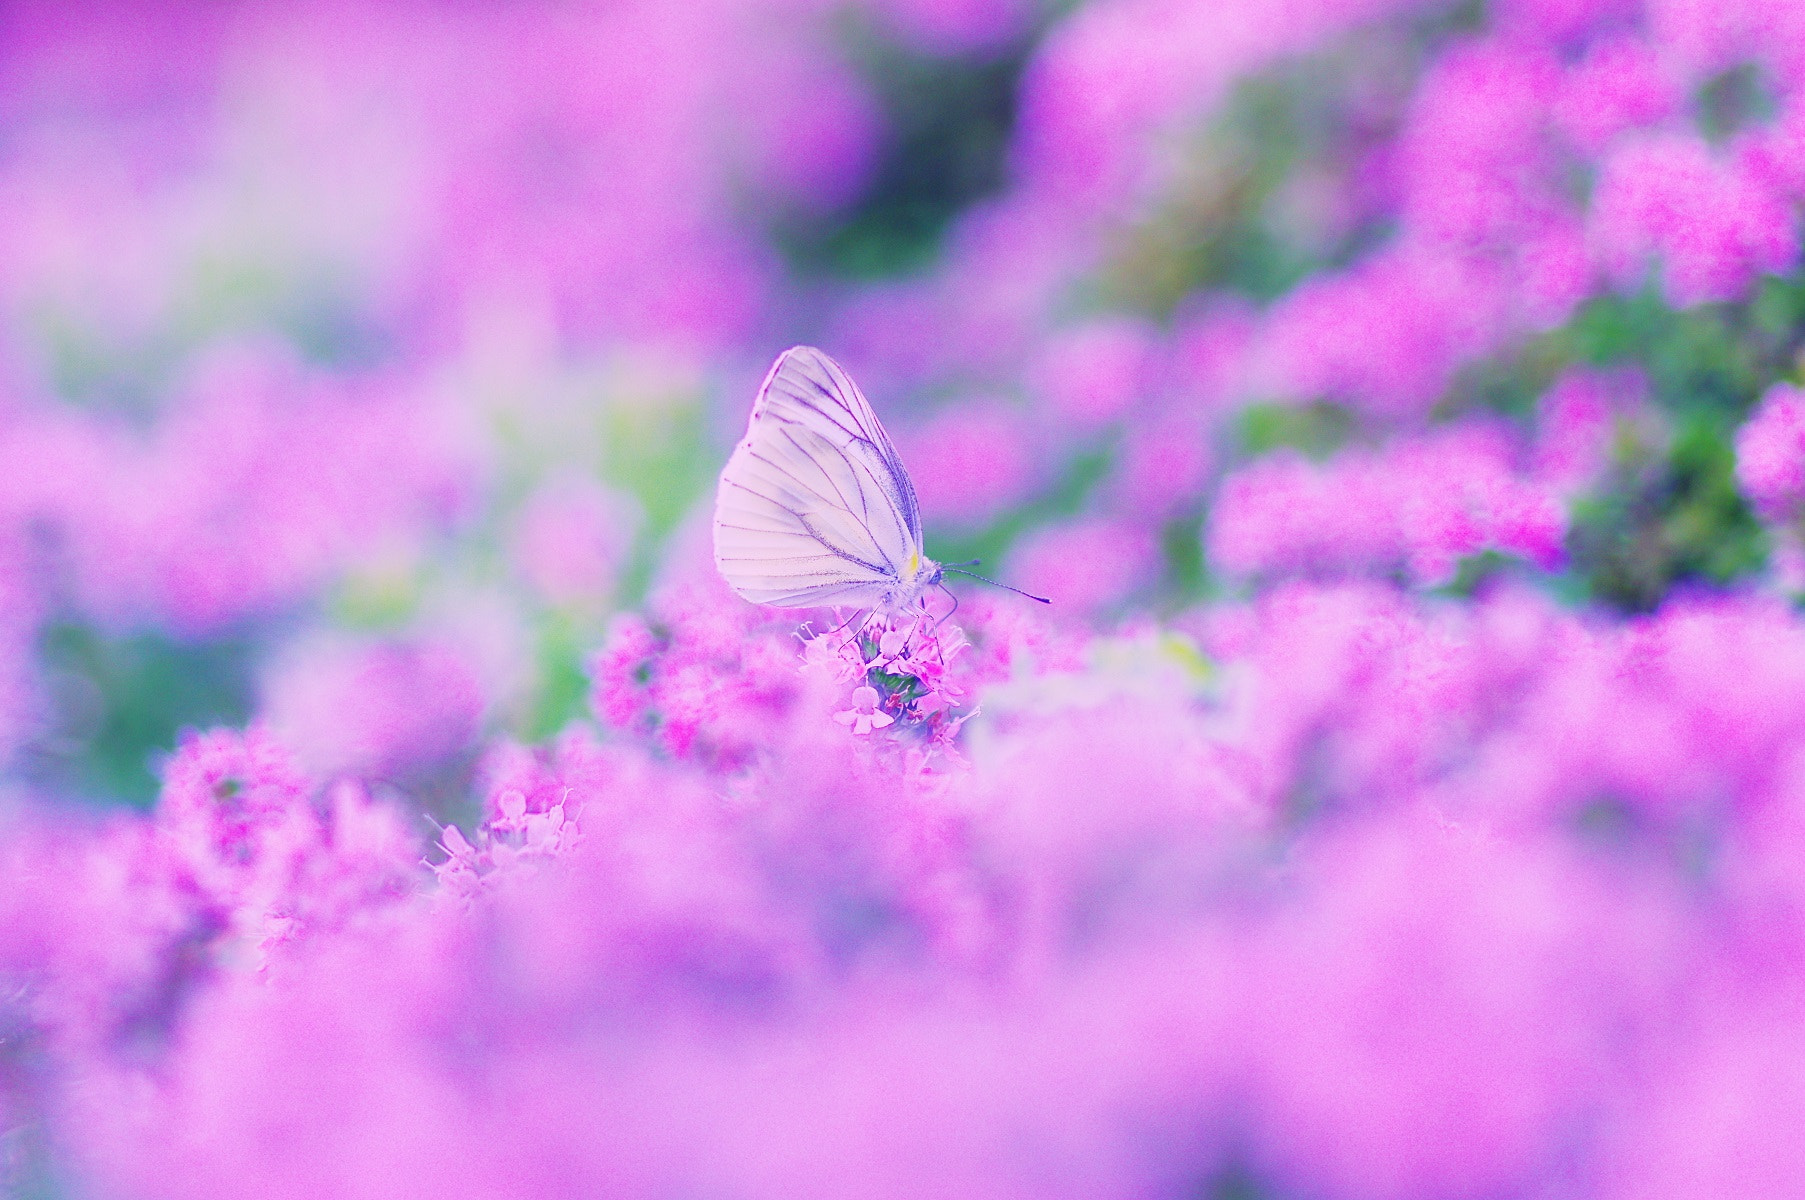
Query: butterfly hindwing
814, 506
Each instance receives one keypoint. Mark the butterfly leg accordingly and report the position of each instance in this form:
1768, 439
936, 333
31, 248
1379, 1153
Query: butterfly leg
916, 627
939, 654
949, 612
860, 631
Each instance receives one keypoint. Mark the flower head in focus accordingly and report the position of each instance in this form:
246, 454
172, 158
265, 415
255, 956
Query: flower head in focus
903, 671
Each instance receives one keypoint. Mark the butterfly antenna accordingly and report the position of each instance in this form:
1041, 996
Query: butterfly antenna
1004, 586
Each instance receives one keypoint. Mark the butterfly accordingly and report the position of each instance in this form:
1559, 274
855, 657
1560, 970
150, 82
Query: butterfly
815, 507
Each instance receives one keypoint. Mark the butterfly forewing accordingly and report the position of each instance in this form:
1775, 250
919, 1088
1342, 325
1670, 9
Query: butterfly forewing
814, 506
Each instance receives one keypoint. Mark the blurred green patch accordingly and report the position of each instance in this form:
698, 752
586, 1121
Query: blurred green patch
948, 120
376, 596
304, 304
1663, 518
562, 692
1233, 1182
120, 702
1696, 358
1713, 358
1476, 572
130, 373
1733, 100
1607, 822
1240, 214
1187, 579
661, 454
1265, 193
1316, 430
1510, 384
1688, 840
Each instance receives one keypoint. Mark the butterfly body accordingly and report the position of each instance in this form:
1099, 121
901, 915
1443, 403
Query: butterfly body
815, 507
918, 575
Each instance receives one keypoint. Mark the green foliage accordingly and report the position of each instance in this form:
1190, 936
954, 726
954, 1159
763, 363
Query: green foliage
1734, 99
1669, 514
1475, 572
120, 702
82, 366
1711, 358
1662, 519
132, 373
1233, 1183
1255, 209
1187, 580
1317, 430
948, 121
562, 692
1698, 358
661, 454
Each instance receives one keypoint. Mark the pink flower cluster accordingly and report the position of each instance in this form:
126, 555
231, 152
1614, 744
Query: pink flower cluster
1770, 453
114, 929
1715, 228
1420, 506
904, 672
1413, 898
709, 681
260, 482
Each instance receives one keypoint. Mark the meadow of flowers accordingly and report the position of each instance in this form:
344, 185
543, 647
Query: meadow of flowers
1401, 401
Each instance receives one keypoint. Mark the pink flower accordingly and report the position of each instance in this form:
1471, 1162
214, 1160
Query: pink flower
1095, 374
375, 707
1385, 335
1770, 453
1478, 171
1621, 84
1773, 155
713, 679
572, 538
1577, 423
1163, 466
1084, 566
259, 482
1713, 227
970, 463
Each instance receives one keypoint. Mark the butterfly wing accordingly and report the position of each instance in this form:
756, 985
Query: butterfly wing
814, 506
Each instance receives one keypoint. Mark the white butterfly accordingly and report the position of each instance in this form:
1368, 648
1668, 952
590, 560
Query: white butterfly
815, 507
